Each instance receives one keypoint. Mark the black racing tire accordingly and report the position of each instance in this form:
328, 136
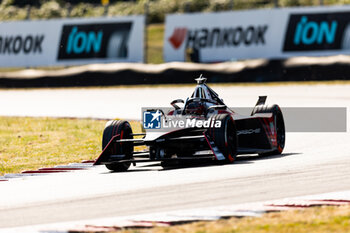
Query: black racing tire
280, 127
122, 128
225, 137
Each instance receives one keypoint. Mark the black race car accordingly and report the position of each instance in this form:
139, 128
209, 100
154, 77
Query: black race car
203, 129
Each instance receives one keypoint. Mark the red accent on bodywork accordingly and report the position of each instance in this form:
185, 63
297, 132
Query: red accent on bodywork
280, 149
230, 158
107, 147
267, 128
224, 111
210, 145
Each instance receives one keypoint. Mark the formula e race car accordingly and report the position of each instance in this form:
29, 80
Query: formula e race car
204, 128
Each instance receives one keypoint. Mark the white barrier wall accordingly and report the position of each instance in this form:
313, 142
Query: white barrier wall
71, 41
267, 33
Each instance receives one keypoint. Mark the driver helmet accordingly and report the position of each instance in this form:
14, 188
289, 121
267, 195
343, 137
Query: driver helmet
196, 108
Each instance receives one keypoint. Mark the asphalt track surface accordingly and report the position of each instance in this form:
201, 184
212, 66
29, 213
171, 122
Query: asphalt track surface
312, 163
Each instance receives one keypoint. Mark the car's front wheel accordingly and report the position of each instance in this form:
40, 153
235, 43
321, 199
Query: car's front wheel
123, 129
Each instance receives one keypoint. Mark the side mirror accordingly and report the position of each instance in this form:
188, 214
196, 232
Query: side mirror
175, 102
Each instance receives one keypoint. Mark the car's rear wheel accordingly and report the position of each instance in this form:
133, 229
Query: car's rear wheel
279, 125
225, 137
123, 129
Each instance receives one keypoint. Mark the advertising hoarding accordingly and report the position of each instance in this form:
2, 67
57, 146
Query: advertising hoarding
71, 41
249, 34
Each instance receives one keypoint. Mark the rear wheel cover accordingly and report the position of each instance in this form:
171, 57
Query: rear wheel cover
230, 139
280, 129
279, 125
225, 137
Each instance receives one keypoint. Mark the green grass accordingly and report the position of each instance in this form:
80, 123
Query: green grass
157, 9
30, 143
320, 219
155, 43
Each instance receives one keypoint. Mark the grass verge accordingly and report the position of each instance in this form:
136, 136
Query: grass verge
31, 143
320, 219
155, 33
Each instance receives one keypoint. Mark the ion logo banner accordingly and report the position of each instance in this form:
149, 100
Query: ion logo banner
71, 41
99, 40
313, 32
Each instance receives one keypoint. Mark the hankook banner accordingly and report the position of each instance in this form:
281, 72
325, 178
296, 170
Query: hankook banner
71, 41
267, 33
